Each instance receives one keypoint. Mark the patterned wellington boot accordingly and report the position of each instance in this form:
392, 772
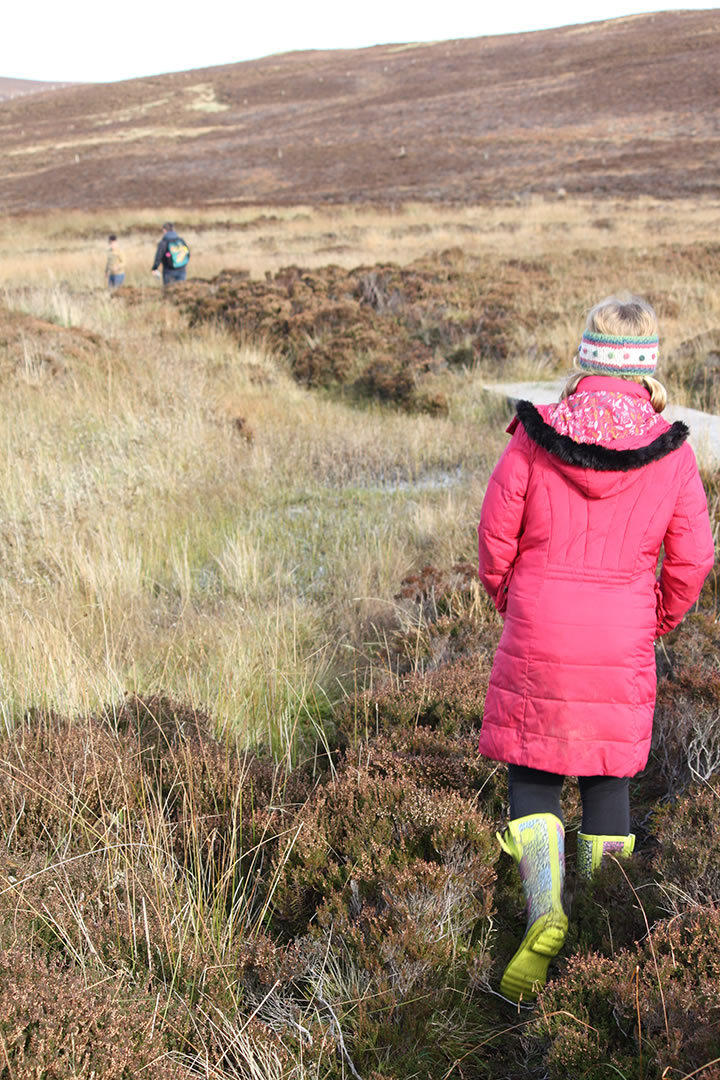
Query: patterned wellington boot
537, 843
591, 850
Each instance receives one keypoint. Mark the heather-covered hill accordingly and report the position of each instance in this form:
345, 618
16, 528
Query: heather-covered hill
12, 88
620, 107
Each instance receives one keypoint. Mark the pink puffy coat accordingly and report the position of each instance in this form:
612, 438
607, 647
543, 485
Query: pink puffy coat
569, 539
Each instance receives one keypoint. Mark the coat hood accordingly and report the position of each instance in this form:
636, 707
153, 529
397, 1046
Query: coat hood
596, 469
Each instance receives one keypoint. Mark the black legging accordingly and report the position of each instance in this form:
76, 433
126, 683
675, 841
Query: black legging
605, 799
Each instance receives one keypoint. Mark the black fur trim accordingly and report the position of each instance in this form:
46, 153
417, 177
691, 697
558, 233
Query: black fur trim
592, 456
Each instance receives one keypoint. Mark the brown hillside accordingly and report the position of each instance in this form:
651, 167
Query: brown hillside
12, 88
619, 107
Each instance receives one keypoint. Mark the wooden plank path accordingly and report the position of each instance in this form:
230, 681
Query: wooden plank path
704, 427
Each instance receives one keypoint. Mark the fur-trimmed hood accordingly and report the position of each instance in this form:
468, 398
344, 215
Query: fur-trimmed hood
587, 464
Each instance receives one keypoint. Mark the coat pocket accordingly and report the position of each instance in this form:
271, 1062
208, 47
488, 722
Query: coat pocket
661, 626
501, 598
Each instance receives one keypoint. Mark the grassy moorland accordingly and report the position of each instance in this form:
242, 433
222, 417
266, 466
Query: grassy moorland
245, 831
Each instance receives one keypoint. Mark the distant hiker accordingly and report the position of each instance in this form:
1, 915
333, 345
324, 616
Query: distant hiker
115, 264
172, 255
575, 513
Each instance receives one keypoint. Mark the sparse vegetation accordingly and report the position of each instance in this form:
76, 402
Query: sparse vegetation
245, 832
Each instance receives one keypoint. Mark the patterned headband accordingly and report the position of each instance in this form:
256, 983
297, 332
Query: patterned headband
608, 355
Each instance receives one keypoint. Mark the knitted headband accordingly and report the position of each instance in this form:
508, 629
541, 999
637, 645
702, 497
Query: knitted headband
627, 355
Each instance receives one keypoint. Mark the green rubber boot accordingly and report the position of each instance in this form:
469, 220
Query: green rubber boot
592, 849
537, 843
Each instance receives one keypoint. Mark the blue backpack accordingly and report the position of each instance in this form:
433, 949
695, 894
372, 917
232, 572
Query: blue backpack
178, 253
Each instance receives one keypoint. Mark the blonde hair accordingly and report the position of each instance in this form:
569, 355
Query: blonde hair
615, 316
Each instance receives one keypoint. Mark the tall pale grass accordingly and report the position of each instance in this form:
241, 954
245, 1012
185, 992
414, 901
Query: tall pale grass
149, 546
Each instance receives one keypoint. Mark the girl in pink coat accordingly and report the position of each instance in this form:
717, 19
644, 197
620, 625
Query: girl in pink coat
576, 511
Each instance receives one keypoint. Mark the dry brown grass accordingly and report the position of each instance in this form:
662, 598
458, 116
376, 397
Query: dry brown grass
72, 244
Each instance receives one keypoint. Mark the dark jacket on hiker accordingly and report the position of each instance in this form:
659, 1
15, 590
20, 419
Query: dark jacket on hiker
162, 259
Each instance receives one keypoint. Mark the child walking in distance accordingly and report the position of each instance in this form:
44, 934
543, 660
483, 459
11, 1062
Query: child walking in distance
576, 511
115, 264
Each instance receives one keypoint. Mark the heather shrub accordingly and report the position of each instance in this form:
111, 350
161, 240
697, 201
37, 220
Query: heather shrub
384, 331
612, 911
138, 841
357, 830
54, 1025
211, 972
395, 879
687, 830
649, 1011
710, 475
389, 379
128, 906
150, 763
58, 1022
35, 349
62, 780
403, 973
184, 759
135, 902
437, 659
686, 734
391, 866
88, 908
435, 593
449, 699
434, 759
223, 806
693, 646
441, 615
695, 366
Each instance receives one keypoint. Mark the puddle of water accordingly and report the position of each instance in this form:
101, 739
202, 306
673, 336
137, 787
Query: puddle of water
438, 480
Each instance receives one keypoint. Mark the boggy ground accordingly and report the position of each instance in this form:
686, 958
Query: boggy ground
246, 832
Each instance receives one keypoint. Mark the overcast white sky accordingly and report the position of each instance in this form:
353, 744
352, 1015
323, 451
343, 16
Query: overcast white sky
106, 40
